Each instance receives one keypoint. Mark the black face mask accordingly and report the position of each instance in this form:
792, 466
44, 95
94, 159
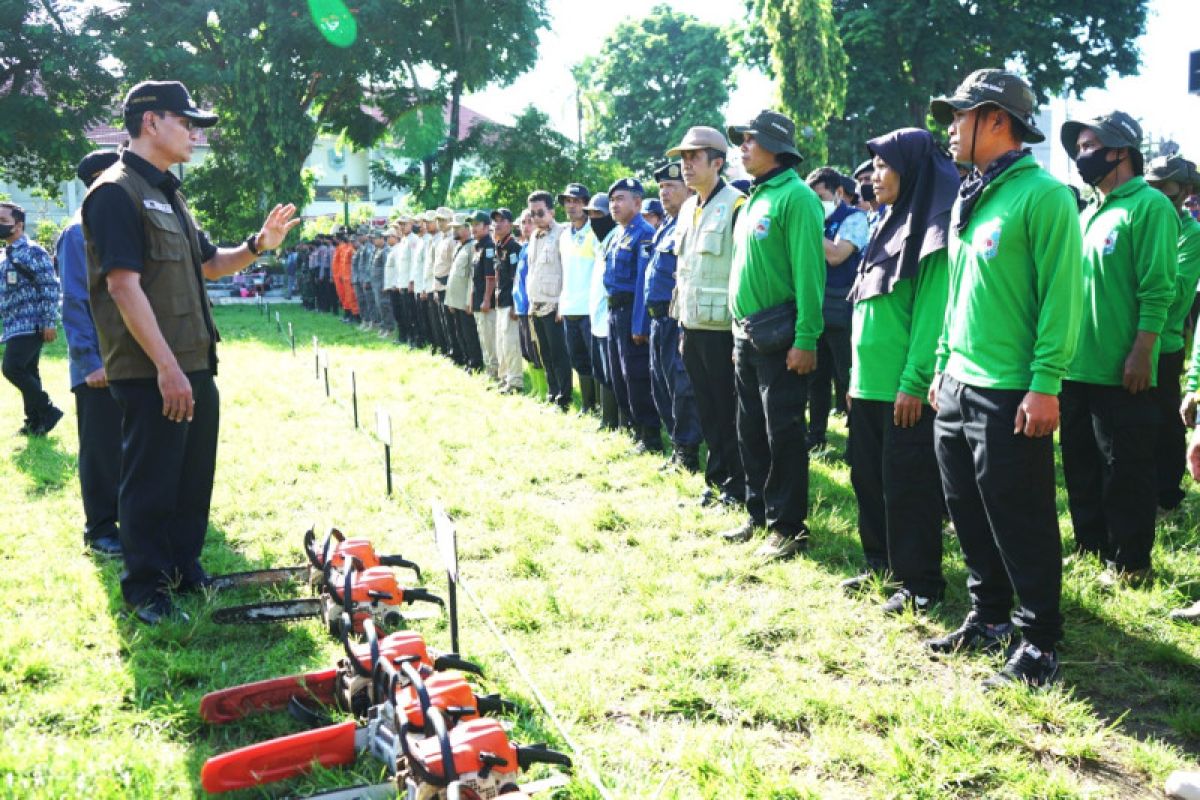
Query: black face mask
6, 231
867, 192
1095, 166
601, 226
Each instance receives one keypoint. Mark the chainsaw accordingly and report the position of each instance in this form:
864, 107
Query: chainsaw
333, 551
347, 686
370, 593
408, 698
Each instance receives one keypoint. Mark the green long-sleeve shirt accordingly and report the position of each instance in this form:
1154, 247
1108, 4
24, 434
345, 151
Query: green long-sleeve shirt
1012, 317
778, 255
895, 335
1187, 275
1129, 265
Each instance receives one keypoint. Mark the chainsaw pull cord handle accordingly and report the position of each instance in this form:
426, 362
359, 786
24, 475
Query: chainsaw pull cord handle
400, 561
529, 755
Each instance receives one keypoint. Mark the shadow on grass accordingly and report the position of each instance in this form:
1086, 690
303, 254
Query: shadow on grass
175, 663
47, 464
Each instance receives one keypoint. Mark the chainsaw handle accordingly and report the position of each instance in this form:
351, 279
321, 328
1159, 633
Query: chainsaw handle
345, 600
453, 661
494, 704
424, 595
418, 770
383, 678
310, 550
400, 561
345, 628
529, 755
418, 683
278, 759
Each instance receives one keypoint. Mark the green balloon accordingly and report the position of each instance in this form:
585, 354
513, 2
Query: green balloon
334, 21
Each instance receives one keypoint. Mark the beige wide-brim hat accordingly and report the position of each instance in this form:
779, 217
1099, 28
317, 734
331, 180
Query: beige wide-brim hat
700, 137
444, 213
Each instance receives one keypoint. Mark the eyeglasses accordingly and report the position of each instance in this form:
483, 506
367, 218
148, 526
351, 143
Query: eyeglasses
538, 212
187, 124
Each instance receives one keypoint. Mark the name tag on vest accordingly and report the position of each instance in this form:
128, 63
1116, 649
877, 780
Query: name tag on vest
154, 205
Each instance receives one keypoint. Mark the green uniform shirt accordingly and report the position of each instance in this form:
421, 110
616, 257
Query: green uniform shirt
778, 255
1187, 275
1012, 317
1129, 255
895, 335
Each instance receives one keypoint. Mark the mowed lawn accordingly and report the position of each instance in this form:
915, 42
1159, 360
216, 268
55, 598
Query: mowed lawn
681, 667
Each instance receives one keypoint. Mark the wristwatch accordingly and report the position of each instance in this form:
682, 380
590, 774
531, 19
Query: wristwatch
251, 244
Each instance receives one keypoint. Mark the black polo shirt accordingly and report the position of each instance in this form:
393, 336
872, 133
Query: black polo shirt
508, 255
484, 267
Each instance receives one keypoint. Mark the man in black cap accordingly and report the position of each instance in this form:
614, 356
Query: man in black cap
577, 246
97, 414
483, 291
775, 290
147, 263
508, 335
1109, 422
1011, 326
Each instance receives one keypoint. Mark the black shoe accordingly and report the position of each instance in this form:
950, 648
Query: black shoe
160, 610
105, 546
904, 600
687, 457
742, 533
974, 635
48, 421
709, 497
1028, 665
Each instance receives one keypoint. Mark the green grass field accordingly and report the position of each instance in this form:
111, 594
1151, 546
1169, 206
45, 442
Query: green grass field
680, 666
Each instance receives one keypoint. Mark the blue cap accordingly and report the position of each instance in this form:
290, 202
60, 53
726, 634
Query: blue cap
627, 185
652, 205
671, 171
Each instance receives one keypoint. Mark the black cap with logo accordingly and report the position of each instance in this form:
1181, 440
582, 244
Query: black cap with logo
166, 96
1116, 129
992, 87
775, 132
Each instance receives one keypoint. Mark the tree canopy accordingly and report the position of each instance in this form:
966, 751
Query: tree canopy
653, 79
52, 89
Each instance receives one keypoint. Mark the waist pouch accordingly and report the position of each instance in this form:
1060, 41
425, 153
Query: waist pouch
773, 329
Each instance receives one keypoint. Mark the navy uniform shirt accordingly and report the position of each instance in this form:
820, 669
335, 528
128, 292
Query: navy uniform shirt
483, 267
660, 272
625, 264
508, 257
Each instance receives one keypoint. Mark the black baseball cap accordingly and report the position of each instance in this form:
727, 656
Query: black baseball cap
479, 216
502, 212
1116, 129
576, 190
166, 96
775, 132
94, 163
992, 87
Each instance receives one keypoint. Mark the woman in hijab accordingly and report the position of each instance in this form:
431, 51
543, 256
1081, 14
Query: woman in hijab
899, 301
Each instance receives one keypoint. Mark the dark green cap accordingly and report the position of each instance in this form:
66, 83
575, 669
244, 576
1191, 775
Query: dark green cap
480, 216
1116, 129
995, 87
1170, 168
775, 132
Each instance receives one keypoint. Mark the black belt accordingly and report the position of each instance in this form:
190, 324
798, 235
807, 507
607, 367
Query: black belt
657, 310
620, 300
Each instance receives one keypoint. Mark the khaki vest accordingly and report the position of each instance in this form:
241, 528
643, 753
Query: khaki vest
704, 247
170, 278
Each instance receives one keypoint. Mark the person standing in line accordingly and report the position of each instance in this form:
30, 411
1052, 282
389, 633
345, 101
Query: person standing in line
443, 260
544, 284
458, 294
96, 411
604, 228
899, 301
29, 296
578, 254
507, 338
529, 351
483, 292
1109, 420
1012, 323
704, 249
671, 389
775, 289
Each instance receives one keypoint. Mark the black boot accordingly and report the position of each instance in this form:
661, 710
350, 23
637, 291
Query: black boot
609, 417
688, 457
649, 439
587, 394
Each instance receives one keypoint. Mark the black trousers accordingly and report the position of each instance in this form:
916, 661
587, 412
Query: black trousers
398, 314
999, 488
468, 335
708, 359
166, 487
1108, 440
770, 425
832, 373
1171, 451
894, 472
99, 419
20, 366
552, 347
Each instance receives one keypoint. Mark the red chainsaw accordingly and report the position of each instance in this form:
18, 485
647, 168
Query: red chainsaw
330, 553
347, 686
348, 588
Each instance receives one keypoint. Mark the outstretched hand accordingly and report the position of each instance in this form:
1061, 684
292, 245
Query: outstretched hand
278, 224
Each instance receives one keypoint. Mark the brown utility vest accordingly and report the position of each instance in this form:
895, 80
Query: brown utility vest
171, 277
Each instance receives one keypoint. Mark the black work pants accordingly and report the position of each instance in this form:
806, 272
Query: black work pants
708, 359
20, 366
1170, 453
1108, 439
166, 487
770, 425
552, 346
832, 373
894, 472
468, 335
99, 420
397, 313
999, 488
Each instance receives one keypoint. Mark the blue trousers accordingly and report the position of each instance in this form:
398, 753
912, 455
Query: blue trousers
670, 385
629, 364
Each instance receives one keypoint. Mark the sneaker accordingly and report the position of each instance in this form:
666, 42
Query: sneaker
779, 546
1189, 614
1113, 577
974, 635
742, 533
1028, 665
904, 600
